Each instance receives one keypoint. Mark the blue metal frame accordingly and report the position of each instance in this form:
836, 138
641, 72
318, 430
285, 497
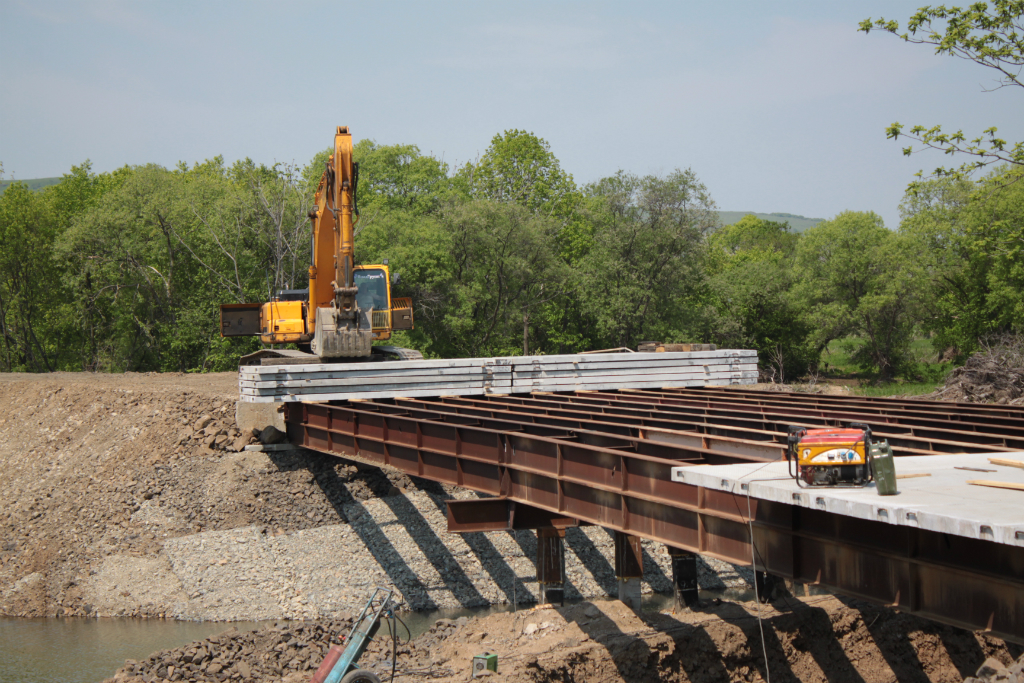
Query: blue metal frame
362, 631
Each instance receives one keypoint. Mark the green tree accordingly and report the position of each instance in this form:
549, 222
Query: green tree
504, 265
752, 275
858, 278
646, 255
519, 167
29, 284
970, 242
989, 35
399, 177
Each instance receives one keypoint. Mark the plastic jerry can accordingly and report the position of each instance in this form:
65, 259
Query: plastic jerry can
883, 469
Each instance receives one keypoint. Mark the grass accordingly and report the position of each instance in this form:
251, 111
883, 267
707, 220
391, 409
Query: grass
897, 389
797, 223
925, 376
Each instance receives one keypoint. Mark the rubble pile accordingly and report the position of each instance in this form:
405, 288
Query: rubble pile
993, 375
994, 671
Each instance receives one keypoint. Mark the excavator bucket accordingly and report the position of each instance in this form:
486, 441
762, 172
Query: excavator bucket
340, 338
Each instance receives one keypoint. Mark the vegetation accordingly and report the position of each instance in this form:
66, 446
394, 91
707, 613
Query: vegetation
989, 35
124, 270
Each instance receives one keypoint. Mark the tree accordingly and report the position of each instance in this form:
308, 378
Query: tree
504, 265
858, 278
399, 177
646, 254
991, 36
752, 274
28, 287
970, 241
518, 167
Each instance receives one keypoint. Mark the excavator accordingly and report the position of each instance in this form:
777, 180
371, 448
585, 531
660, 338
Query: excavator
347, 307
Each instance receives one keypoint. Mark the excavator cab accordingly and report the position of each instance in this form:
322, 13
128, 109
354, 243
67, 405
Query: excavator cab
283, 320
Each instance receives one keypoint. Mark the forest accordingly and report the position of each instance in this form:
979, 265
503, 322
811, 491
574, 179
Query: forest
124, 271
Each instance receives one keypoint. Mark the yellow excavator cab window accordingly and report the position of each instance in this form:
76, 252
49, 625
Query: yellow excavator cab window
373, 288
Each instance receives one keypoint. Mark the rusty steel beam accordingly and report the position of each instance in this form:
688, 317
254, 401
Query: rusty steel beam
498, 416
501, 514
936, 436
627, 406
884, 404
551, 565
1012, 429
965, 582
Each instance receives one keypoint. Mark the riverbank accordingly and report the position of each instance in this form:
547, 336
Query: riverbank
814, 639
128, 497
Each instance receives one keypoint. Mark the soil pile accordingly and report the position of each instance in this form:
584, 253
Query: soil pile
993, 375
811, 639
101, 470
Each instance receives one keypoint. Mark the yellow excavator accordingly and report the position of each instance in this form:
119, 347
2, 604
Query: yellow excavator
347, 307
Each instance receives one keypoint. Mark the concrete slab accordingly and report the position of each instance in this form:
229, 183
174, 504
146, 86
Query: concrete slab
942, 502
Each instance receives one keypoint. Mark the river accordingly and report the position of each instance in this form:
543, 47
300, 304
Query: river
83, 650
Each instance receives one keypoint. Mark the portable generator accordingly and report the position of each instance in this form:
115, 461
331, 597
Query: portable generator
830, 457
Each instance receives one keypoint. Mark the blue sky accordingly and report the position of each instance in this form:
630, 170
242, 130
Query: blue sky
777, 107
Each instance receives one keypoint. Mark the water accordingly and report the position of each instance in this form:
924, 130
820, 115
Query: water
81, 650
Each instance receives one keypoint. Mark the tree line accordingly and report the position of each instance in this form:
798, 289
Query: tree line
505, 255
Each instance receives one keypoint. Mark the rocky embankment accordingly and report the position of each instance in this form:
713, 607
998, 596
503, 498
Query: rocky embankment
129, 495
813, 640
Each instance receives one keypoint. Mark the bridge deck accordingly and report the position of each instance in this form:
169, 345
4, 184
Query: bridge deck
941, 501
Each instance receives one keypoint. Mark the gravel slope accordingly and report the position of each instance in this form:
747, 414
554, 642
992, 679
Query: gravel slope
128, 498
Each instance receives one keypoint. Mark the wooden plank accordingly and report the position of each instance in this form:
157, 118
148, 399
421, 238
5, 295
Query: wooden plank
1006, 463
915, 475
997, 484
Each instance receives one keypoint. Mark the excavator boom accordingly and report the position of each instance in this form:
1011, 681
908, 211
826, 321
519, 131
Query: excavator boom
342, 328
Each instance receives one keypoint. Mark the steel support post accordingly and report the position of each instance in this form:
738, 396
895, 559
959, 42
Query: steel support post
765, 584
629, 568
551, 565
684, 577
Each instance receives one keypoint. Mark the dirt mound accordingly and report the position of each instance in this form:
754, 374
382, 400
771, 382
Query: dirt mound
100, 470
814, 639
993, 375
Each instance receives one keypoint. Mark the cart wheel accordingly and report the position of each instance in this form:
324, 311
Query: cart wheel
360, 676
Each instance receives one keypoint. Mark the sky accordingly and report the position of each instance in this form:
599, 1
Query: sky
776, 106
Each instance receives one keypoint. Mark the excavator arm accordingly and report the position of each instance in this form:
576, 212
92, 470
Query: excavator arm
342, 328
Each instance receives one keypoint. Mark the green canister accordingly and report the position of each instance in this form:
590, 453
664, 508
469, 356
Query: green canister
882, 468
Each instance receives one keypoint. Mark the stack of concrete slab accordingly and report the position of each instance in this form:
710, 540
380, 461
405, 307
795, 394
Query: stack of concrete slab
508, 375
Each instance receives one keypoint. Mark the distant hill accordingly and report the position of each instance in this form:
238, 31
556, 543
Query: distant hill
33, 184
797, 223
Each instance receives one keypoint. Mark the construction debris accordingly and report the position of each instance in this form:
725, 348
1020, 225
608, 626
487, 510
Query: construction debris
508, 375
992, 375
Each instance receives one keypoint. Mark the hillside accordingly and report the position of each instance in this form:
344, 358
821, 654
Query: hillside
797, 223
33, 183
